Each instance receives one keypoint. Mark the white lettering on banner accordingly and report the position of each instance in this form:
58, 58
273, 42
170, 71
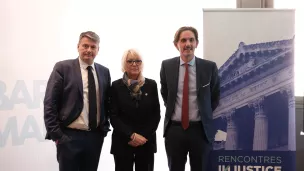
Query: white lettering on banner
249, 168
250, 159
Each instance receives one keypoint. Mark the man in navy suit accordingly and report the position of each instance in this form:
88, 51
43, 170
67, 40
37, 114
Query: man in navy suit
190, 90
76, 107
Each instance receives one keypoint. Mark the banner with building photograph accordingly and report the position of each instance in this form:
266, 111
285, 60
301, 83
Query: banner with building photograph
255, 120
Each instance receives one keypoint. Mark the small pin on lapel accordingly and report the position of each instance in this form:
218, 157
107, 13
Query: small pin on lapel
146, 94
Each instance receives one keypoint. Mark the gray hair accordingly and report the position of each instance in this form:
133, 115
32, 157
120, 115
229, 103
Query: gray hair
91, 35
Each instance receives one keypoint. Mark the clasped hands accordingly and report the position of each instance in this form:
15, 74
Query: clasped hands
137, 140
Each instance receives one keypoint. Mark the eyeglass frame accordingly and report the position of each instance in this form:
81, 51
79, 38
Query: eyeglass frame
137, 62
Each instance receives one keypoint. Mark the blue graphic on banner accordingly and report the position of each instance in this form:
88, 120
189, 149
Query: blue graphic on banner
256, 114
19, 130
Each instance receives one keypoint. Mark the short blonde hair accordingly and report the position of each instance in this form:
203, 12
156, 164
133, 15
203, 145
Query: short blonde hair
130, 53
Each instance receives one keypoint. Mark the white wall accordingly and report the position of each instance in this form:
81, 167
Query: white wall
299, 40
34, 34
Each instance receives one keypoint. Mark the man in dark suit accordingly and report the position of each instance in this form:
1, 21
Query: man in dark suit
76, 107
190, 90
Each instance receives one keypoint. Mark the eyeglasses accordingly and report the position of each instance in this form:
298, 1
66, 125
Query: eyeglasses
137, 62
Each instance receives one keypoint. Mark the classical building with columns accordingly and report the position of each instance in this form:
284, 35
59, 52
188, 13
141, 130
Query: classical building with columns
257, 106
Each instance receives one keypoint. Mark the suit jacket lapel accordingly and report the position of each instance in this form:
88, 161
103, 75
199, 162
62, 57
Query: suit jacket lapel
175, 71
199, 74
78, 76
100, 76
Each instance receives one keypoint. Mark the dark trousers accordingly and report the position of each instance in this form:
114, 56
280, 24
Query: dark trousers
180, 142
80, 151
143, 161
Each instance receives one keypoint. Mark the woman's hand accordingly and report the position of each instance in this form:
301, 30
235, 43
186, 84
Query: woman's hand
137, 140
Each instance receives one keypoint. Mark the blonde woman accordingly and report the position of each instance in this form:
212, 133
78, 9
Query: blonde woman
134, 115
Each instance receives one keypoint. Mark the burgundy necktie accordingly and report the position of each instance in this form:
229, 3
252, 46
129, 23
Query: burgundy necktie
185, 105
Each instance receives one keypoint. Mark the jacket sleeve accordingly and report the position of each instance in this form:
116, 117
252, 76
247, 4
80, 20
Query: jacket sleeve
115, 120
52, 102
215, 87
106, 126
163, 83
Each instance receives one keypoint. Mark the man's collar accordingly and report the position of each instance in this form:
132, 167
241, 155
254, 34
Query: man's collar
85, 65
192, 62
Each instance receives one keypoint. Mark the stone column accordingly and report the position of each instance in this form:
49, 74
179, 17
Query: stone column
260, 139
232, 134
289, 92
